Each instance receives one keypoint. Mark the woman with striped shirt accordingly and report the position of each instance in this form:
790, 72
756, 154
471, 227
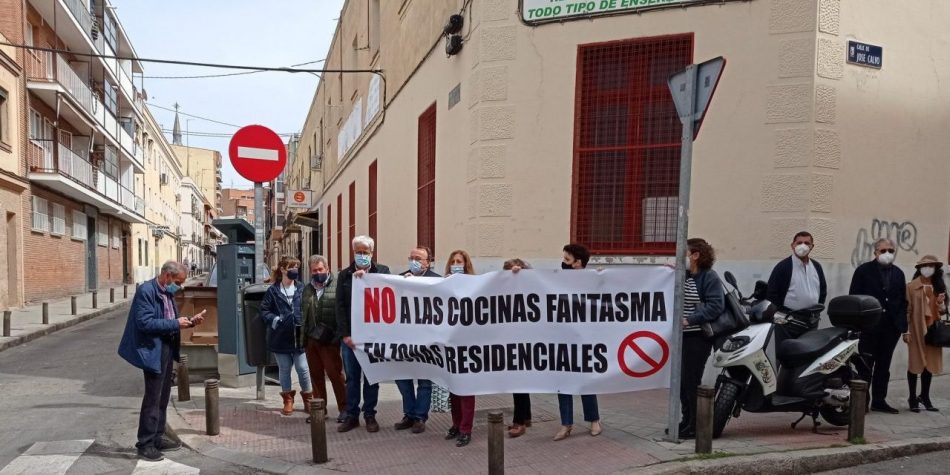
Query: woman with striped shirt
703, 302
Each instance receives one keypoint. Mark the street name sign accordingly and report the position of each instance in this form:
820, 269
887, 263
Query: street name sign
863, 54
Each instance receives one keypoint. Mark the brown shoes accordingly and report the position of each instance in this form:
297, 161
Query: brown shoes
418, 427
371, 424
405, 423
516, 430
288, 398
349, 424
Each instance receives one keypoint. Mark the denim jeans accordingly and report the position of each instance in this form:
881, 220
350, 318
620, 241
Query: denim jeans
354, 378
288, 361
416, 403
566, 403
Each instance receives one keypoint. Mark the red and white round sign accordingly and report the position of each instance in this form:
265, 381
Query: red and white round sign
257, 153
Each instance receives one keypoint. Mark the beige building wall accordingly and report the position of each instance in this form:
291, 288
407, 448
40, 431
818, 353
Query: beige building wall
12, 184
204, 167
239, 203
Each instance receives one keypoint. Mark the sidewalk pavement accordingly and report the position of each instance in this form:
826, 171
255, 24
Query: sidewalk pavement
256, 434
26, 323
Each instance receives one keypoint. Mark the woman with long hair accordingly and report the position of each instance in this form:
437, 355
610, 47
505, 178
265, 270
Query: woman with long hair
463, 407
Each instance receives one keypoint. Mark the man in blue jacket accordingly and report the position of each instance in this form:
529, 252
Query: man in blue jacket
151, 341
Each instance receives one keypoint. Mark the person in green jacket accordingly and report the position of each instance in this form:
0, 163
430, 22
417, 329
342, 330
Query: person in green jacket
322, 341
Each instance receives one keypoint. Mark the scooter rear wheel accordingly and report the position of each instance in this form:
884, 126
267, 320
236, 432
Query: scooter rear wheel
725, 405
836, 415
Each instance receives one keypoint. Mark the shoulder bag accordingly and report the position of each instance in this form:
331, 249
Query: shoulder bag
732, 319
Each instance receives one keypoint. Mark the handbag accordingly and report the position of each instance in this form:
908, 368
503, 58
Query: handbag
732, 319
322, 333
938, 334
440, 399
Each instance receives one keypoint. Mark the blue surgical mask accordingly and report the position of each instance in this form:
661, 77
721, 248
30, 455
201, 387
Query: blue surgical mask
363, 260
457, 269
415, 267
172, 288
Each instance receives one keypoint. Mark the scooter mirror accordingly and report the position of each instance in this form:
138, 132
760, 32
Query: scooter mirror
731, 279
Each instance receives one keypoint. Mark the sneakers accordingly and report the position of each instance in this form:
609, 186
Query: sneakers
150, 453
405, 423
168, 445
371, 424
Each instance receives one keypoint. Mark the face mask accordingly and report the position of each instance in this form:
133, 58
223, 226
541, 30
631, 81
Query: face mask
566, 266
172, 288
320, 278
886, 258
927, 272
415, 267
363, 260
802, 250
457, 269
689, 263
293, 274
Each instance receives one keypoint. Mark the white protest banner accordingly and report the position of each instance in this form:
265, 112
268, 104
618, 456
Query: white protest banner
537, 331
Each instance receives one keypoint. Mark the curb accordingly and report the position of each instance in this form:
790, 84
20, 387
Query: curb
803, 461
16, 341
177, 427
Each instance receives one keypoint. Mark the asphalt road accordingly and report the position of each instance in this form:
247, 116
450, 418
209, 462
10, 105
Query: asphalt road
927, 464
71, 385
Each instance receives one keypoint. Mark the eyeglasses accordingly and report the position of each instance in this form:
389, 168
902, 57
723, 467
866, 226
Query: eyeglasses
886, 251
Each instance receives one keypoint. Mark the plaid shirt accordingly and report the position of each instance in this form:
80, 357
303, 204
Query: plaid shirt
167, 302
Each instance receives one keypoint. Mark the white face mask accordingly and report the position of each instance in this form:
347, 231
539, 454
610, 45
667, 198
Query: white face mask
927, 271
802, 250
886, 258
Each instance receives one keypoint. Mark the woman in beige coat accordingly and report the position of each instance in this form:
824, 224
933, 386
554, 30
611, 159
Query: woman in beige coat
926, 302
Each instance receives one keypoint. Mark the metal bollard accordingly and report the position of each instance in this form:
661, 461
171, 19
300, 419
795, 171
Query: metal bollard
72, 305
111, 295
184, 390
859, 401
704, 419
95, 299
496, 444
125, 291
318, 431
45, 313
7, 316
212, 419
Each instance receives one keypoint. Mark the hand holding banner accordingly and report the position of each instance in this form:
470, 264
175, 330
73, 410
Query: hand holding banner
537, 331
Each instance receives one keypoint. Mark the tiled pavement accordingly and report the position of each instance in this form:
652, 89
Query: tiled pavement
634, 425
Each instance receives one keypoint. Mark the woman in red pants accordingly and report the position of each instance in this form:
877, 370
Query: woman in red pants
463, 407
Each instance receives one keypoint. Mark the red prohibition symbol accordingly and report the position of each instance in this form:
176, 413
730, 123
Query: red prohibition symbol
631, 342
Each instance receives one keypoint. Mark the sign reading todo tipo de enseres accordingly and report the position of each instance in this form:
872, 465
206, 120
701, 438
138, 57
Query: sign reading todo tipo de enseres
546, 10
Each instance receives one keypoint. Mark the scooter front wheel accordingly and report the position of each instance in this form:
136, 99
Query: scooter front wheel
725, 405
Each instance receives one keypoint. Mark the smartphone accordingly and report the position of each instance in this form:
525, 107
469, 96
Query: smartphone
192, 318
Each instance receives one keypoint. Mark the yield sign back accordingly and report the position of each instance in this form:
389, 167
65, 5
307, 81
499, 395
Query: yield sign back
257, 153
707, 77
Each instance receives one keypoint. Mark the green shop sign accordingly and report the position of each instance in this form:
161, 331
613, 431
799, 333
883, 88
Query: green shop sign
537, 11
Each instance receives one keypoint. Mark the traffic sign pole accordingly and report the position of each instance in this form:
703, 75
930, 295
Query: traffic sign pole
259, 213
682, 225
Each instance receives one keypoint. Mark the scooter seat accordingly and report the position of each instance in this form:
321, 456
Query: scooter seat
794, 352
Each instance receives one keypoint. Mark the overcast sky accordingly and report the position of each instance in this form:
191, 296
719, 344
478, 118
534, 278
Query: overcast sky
246, 32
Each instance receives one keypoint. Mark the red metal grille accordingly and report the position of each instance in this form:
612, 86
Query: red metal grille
339, 231
352, 215
425, 224
329, 228
627, 145
372, 204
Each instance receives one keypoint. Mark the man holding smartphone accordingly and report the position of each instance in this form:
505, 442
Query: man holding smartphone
151, 342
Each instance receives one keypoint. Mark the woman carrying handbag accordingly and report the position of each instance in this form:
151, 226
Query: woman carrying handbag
926, 304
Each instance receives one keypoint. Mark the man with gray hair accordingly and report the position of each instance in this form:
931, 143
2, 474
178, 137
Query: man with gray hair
884, 281
151, 342
363, 263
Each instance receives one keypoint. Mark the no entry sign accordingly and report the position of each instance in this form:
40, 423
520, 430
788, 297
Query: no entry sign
257, 153
651, 365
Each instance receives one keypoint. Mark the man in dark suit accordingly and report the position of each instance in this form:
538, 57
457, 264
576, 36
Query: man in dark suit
362, 264
884, 281
151, 342
797, 282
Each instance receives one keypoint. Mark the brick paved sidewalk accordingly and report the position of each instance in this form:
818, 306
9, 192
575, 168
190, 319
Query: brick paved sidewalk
634, 424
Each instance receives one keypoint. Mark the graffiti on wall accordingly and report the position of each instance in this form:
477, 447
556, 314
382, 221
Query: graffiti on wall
902, 233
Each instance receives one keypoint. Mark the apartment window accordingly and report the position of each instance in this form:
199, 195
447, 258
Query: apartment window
103, 238
4, 116
145, 245
141, 262
116, 237
110, 165
58, 218
339, 229
352, 216
425, 204
374, 25
371, 212
40, 214
110, 31
111, 97
29, 35
79, 225
329, 221
40, 128
627, 145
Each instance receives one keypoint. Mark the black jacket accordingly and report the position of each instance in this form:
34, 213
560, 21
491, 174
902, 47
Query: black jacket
322, 310
284, 338
427, 273
781, 278
344, 291
711, 297
868, 280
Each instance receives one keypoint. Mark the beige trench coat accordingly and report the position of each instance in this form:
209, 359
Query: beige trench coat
920, 315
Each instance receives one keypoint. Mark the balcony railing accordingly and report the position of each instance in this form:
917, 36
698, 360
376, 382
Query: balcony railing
45, 66
41, 155
106, 185
73, 165
127, 197
140, 206
82, 15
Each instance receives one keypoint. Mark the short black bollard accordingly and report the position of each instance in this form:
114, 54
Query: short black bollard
7, 316
95, 299
212, 419
125, 291
184, 390
318, 431
45, 313
111, 295
859, 402
496, 444
704, 419
73, 305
